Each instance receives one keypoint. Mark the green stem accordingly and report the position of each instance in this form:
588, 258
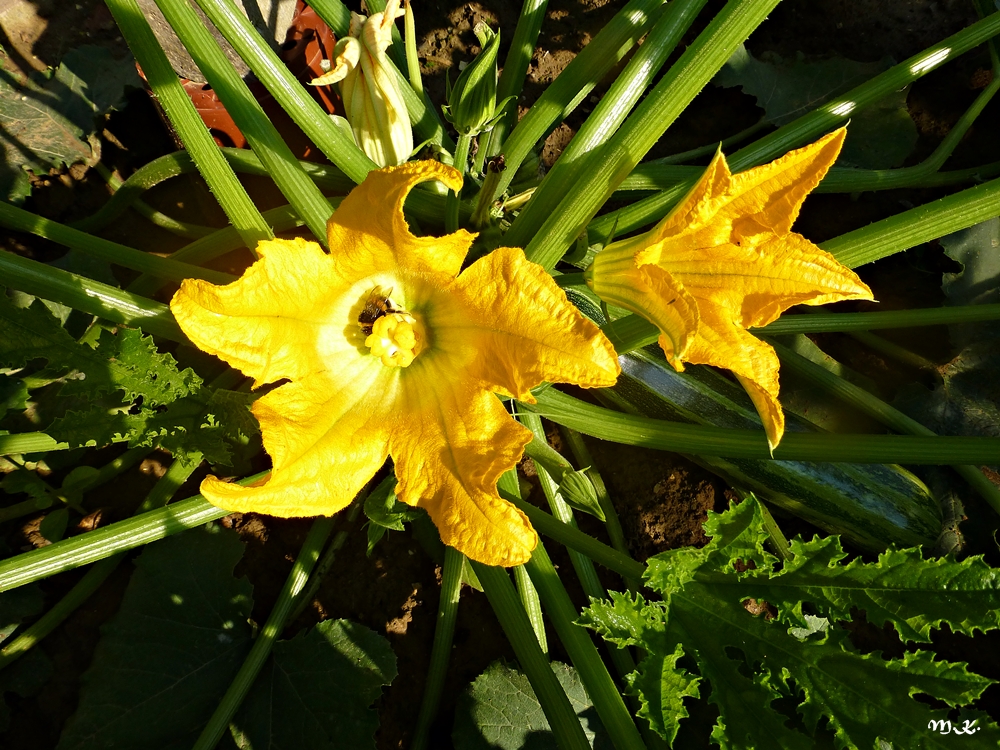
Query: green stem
893, 351
412, 60
660, 434
881, 411
484, 200
250, 118
808, 127
81, 293
583, 458
600, 687
264, 642
20, 220
326, 562
634, 332
25, 508
30, 442
586, 572
708, 149
178, 473
455, 197
562, 718
573, 85
854, 181
444, 633
778, 540
169, 92
661, 107
515, 68
162, 220
916, 226
71, 553
334, 143
525, 588
821, 322
532, 606
575, 539
610, 112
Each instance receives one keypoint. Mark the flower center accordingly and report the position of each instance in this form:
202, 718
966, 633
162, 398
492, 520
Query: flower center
396, 339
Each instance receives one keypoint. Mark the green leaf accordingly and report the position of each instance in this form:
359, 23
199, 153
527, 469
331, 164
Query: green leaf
91, 82
48, 121
28, 482
33, 134
25, 677
978, 283
751, 662
879, 137
53, 526
316, 691
385, 512
169, 654
13, 395
210, 422
499, 710
967, 400
894, 589
17, 605
124, 361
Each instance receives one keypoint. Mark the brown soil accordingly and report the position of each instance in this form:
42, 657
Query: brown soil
661, 498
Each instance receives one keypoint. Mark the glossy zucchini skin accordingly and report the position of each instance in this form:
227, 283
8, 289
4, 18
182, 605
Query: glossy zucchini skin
872, 505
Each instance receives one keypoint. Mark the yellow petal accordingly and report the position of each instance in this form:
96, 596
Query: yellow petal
266, 323
368, 232
647, 290
327, 435
346, 54
723, 343
697, 208
450, 450
525, 329
758, 282
771, 195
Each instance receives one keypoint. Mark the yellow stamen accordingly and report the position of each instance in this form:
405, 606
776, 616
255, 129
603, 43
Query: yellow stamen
396, 339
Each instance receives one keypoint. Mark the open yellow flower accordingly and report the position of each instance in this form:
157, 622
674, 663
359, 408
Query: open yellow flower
389, 351
726, 260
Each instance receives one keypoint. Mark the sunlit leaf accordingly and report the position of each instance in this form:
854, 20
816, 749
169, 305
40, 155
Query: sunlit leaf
169, 654
316, 691
499, 710
751, 662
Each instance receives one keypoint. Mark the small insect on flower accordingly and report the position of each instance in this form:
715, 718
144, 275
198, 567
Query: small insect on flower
378, 305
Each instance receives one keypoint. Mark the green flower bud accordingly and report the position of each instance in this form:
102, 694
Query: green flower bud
472, 106
579, 493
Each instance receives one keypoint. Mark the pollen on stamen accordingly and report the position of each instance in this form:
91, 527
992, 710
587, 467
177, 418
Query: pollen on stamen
395, 339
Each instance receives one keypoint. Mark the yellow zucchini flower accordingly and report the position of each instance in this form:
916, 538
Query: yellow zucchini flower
388, 350
725, 260
372, 100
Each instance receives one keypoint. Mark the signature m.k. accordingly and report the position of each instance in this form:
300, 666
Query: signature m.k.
945, 727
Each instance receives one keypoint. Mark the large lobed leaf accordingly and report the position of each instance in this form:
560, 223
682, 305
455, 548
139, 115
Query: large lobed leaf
500, 710
124, 361
316, 691
751, 662
166, 659
46, 122
880, 136
208, 421
169, 654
